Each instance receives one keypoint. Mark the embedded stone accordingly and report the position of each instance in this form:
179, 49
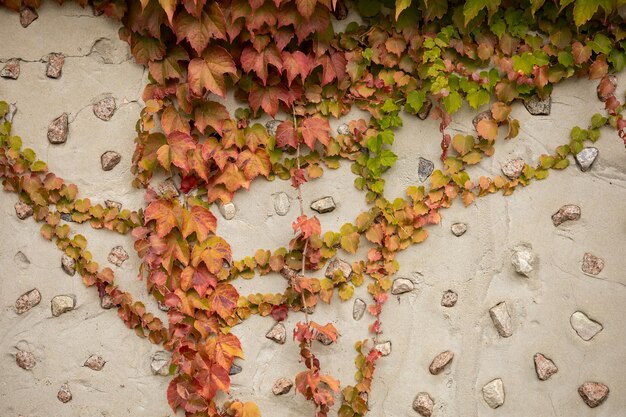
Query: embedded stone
167, 188
544, 367
109, 160
425, 110
424, 169
343, 129
513, 168
593, 393
493, 393
384, 348
95, 362
458, 229
586, 158
523, 259
440, 362
323, 205
565, 213
23, 210
113, 204
27, 301
501, 319
282, 203
323, 339
58, 129
278, 333
358, 310
106, 302
10, 113
402, 285
340, 10
25, 360
117, 256
64, 395
160, 363
423, 404
537, 106
338, 265
62, 304
27, 16
22, 259
592, 265
162, 306
11, 69
234, 369
288, 273
68, 264
55, 65
272, 126
66, 217
605, 91
584, 326
449, 298
105, 108
282, 386
228, 210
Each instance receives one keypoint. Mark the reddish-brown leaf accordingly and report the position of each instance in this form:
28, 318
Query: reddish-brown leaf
313, 129
207, 73
223, 300
210, 113
199, 32
286, 134
307, 226
254, 164
252, 60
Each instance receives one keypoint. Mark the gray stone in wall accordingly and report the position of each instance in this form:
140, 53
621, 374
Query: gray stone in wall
23, 210
323, 205
27, 301
337, 264
113, 204
424, 169
278, 333
586, 158
523, 259
358, 309
501, 319
384, 348
62, 304
68, 264
401, 285
458, 229
234, 369
343, 129
282, 386
160, 363
282, 203
21, 259
425, 110
167, 188
513, 168
493, 393
537, 106
109, 160
117, 256
449, 298
95, 362
64, 395
272, 126
584, 326
228, 210
440, 362
58, 130
10, 113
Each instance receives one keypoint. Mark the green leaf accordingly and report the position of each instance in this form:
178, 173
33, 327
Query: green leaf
387, 158
369, 8
597, 120
477, 98
452, 102
585, 9
566, 58
600, 44
415, 100
617, 59
471, 8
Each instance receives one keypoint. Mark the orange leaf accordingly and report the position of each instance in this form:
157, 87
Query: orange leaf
223, 300
487, 128
254, 164
162, 212
313, 129
207, 73
210, 113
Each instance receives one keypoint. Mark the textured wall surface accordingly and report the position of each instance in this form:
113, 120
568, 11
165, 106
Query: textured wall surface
477, 265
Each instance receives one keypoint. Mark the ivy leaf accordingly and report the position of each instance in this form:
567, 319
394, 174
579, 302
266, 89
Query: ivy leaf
201, 221
452, 102
286, 134
580, 52
223, 300
254, 164
169, 6
207, 73
268, 97
180, 143
471, 8
199, 32
162, 212
232, 178
169, 67
174, 120
313, 129
210, 113
306, 7
198, 278
585, 9
251, 59
415, 100
296, 63
146, 49
213, 253
307, 226
488, 129
462, 144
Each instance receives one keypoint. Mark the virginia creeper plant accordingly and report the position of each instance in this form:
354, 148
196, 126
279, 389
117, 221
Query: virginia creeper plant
286, 59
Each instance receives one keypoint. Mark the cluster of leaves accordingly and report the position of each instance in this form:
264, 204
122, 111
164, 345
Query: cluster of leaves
404, 56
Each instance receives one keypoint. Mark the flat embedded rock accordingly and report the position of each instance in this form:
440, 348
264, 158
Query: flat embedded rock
384, 348
569, 212
458, 229
323, 205
68, 264
425, 110
27, 16
281, 203
64, 395
343, 129
358, 309
11, 69
449, 298
117, 256
272, 126
27, 301
278, 333
95, 362
501, 319
584, 326
544, 367
424, 169
62, 304
282, 386
105, 108
160, 363
25, 360
54, 68
593, 393
401, 286
537, 106
523, 259
113, 204
109, 160
592, 265
493, 393
23, 210
440, 362
228, 210
586, 158
167, 188
337, 264
58, 130
513, 168
234, 369
423, 404
106, 302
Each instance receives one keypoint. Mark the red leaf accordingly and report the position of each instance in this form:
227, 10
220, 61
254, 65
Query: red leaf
268, 98
286, 135
259, 61
199, 278
313, 129
223, 300
307, 226
207, 73
188, 183
280, 313
297, 178
199, 32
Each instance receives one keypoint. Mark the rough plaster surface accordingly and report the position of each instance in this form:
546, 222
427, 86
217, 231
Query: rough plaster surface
476, 265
